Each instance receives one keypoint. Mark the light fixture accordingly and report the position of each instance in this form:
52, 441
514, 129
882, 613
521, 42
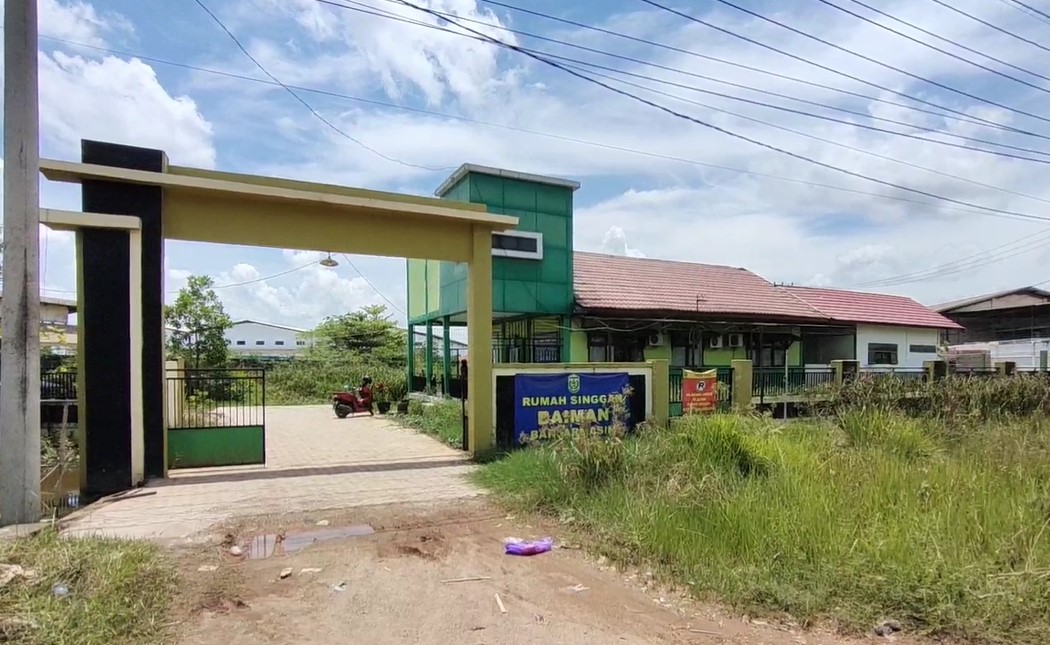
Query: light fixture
329, 262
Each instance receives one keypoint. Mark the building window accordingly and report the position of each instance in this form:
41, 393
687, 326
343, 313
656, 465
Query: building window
278, 342
300, 343
260, 342
518, 244
597, 347
882, 354
923, 349
240, 342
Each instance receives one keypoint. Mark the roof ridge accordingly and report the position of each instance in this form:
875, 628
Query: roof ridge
666, 261
804, 303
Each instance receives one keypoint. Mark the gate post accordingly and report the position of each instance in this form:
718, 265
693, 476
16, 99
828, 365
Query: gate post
661, 392
743, 378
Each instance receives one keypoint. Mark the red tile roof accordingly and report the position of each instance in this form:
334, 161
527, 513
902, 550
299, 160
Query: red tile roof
870, 308
618, 283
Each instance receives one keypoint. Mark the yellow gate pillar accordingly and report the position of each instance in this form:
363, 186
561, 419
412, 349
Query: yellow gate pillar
481, 431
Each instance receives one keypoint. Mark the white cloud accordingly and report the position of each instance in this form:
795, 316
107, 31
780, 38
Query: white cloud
793, 232
119, 101
78, 21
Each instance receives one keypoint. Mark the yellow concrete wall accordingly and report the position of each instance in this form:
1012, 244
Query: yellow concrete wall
433, 297
417, 288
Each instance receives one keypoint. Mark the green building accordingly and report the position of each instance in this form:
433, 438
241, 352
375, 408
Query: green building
532, 289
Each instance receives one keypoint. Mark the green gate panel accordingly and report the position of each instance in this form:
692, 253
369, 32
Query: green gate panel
202, 447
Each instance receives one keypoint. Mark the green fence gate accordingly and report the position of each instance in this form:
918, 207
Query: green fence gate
216, 417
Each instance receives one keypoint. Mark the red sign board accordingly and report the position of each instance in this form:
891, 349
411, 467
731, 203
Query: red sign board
699, 391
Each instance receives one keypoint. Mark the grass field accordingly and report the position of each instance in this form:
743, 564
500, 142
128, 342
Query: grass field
863, 516
442, 420
117, 591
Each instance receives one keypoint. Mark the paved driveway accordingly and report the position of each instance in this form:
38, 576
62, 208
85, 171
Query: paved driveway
313, 461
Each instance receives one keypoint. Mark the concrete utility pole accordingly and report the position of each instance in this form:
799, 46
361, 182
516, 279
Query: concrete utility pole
20, 308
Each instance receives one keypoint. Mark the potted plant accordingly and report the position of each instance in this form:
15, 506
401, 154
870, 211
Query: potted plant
382, 398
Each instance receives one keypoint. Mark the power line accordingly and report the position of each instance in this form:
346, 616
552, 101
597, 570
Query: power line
369, 283
260, 279
822, 117
309, 107
956, 115
993, 26
727, 131
393, 16
758, 70
965, 264
512, 128
941, 38
824, 140
852, 53
1029, 7
1025, 11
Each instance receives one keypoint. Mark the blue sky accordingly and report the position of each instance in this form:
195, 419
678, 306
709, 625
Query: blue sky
755, 214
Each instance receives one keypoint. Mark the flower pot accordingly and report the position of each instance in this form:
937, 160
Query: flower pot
383, 406
402, 407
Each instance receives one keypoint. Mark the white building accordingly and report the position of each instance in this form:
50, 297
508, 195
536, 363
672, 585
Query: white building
254, 338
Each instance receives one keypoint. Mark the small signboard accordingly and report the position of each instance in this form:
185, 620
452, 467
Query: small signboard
699, 391
548, 404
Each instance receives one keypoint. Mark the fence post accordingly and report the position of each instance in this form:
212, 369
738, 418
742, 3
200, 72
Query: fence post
1042, 360
1005, 368
935, 370
743, 376
661, 385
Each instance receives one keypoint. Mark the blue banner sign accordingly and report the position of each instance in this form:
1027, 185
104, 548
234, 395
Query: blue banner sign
548, 404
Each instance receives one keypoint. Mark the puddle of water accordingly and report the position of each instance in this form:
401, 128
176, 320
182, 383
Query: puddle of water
265, 546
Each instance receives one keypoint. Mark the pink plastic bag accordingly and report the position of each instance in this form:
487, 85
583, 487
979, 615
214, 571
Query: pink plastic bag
522, 547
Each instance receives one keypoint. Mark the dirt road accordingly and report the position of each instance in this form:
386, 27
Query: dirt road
389, 587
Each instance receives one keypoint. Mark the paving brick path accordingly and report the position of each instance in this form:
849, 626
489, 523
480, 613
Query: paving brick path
314, 461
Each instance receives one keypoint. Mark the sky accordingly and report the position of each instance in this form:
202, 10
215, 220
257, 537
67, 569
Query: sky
419, 102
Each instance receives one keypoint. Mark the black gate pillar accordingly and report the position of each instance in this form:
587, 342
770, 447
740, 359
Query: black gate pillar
104, 319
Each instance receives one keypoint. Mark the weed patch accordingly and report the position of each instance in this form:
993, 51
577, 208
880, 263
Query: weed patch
442, 420
850, 519
117, 591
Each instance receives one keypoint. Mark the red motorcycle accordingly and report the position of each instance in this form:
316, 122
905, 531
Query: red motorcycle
353, 401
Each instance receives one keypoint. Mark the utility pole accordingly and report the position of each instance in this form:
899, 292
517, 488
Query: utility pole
20, 307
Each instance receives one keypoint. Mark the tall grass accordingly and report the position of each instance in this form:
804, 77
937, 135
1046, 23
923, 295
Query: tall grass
868, 515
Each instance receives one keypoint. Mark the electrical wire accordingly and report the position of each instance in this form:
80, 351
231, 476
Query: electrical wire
822, 117
846, 50
701, 56
956, 115
512, 128
965, 264
832, 142
369, 283
729, 132
1029, 7
309, 107
394, 16
941, 38
994, 26
1019, 6
260, 279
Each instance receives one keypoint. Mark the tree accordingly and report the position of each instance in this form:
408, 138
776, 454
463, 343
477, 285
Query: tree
198, 324
368, 333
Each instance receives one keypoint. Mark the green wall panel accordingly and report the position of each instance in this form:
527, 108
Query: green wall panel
554, 200
556, 265
201, 447
555, 230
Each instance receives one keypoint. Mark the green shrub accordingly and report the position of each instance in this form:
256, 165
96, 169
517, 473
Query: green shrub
306, 381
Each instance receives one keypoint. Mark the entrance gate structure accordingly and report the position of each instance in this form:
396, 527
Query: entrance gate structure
133, 200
